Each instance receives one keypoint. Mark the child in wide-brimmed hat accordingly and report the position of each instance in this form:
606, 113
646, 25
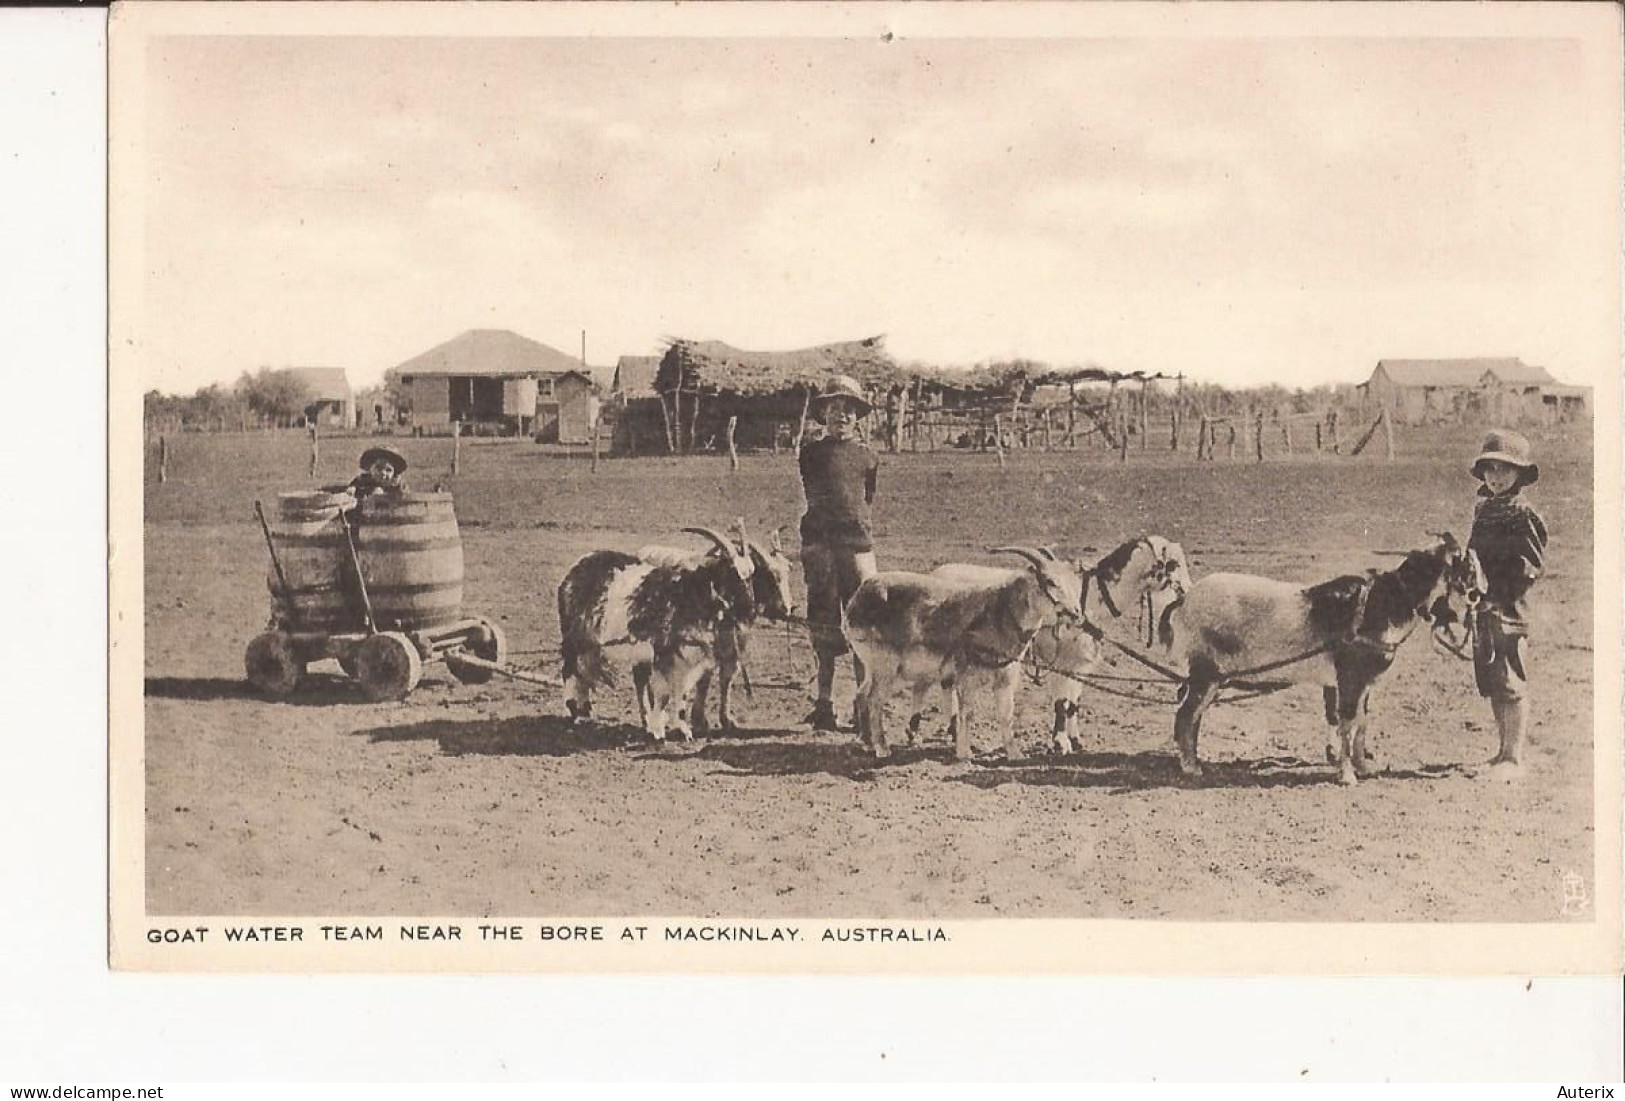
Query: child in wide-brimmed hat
1509, 538
837, 549
381, 471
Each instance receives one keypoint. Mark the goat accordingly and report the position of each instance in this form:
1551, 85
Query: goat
929, 631
773, 599
667, 618
1341, 634
1132, 575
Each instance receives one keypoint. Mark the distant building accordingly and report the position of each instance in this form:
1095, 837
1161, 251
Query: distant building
332, 403
496, 377
634, 407
1498, 390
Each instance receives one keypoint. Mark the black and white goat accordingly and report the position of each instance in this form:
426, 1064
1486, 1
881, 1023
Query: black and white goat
928, 631
774, 599
617, 609
1341, 634
1147, 574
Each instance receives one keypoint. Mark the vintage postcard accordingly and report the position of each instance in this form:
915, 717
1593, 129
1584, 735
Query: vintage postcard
865, 488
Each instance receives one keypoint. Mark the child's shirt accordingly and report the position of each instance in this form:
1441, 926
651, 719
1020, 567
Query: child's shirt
1510, 538
838, 477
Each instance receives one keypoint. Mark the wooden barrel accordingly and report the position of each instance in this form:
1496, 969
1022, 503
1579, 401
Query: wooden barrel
409, 548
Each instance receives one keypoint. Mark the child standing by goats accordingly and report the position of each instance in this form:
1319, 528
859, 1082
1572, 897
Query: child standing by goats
837, 548
1510, 540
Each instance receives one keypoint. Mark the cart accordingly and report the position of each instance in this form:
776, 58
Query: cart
376, 584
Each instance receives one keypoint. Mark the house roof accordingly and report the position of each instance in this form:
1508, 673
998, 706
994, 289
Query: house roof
494, 353
1515, 370
635, 376
713, 365
1456, 372
324, 383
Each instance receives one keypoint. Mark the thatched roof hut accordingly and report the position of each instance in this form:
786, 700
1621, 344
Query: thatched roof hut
705, 383
715, 367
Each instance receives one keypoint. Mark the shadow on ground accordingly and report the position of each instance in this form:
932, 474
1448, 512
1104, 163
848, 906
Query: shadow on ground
1121, 773
316, 690
531, 736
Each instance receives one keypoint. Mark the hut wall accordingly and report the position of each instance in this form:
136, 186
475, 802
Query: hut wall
639, 428
431, 400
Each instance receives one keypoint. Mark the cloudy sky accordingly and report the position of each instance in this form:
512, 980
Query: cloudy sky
1282, 209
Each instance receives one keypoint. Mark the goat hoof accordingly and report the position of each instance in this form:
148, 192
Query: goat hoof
1191, 769
1347, 778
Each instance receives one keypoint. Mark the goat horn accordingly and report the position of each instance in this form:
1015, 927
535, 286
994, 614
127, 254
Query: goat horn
722, 543
1036, 557
1047, 552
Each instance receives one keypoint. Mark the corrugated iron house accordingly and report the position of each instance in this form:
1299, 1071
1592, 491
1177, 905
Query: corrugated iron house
332, 403
701, 384
1502, 390
499, 378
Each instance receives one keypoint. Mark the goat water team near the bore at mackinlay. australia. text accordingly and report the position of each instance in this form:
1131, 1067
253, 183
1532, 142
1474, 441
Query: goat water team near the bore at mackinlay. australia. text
672, 618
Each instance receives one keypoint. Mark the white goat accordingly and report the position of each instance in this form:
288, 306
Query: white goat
927, 631
1146, 573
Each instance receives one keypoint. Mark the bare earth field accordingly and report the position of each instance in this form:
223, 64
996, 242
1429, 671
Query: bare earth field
480, 801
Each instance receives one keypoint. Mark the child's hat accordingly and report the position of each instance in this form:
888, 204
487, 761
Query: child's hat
373, 454
845, 386
1507, 447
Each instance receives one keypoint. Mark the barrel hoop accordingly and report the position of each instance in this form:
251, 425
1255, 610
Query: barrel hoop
394, 520
336, 539
421, 588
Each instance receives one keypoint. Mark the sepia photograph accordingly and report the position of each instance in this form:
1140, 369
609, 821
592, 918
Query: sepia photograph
865, 488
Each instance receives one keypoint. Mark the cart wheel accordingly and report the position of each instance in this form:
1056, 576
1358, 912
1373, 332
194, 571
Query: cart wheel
272, 666
487, 642
387, 666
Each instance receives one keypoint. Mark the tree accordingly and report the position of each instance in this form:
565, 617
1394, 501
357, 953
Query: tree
279, 395
399, 393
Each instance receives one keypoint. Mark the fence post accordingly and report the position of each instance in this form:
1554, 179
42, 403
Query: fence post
163, 459
1232, 439
1318, 443
998, 438
1173, 430
596, 428
1258, 434
1331, 431
314, 447
733, 453
1388, 434
1122, 435
456, 445
1286, 433
1145, 424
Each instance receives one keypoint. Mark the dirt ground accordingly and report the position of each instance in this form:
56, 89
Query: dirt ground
479, 800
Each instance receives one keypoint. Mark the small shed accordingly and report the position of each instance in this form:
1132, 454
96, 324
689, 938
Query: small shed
701, 384
332, 403
573, 409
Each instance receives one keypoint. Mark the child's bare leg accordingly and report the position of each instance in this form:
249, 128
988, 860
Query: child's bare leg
1511, 721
